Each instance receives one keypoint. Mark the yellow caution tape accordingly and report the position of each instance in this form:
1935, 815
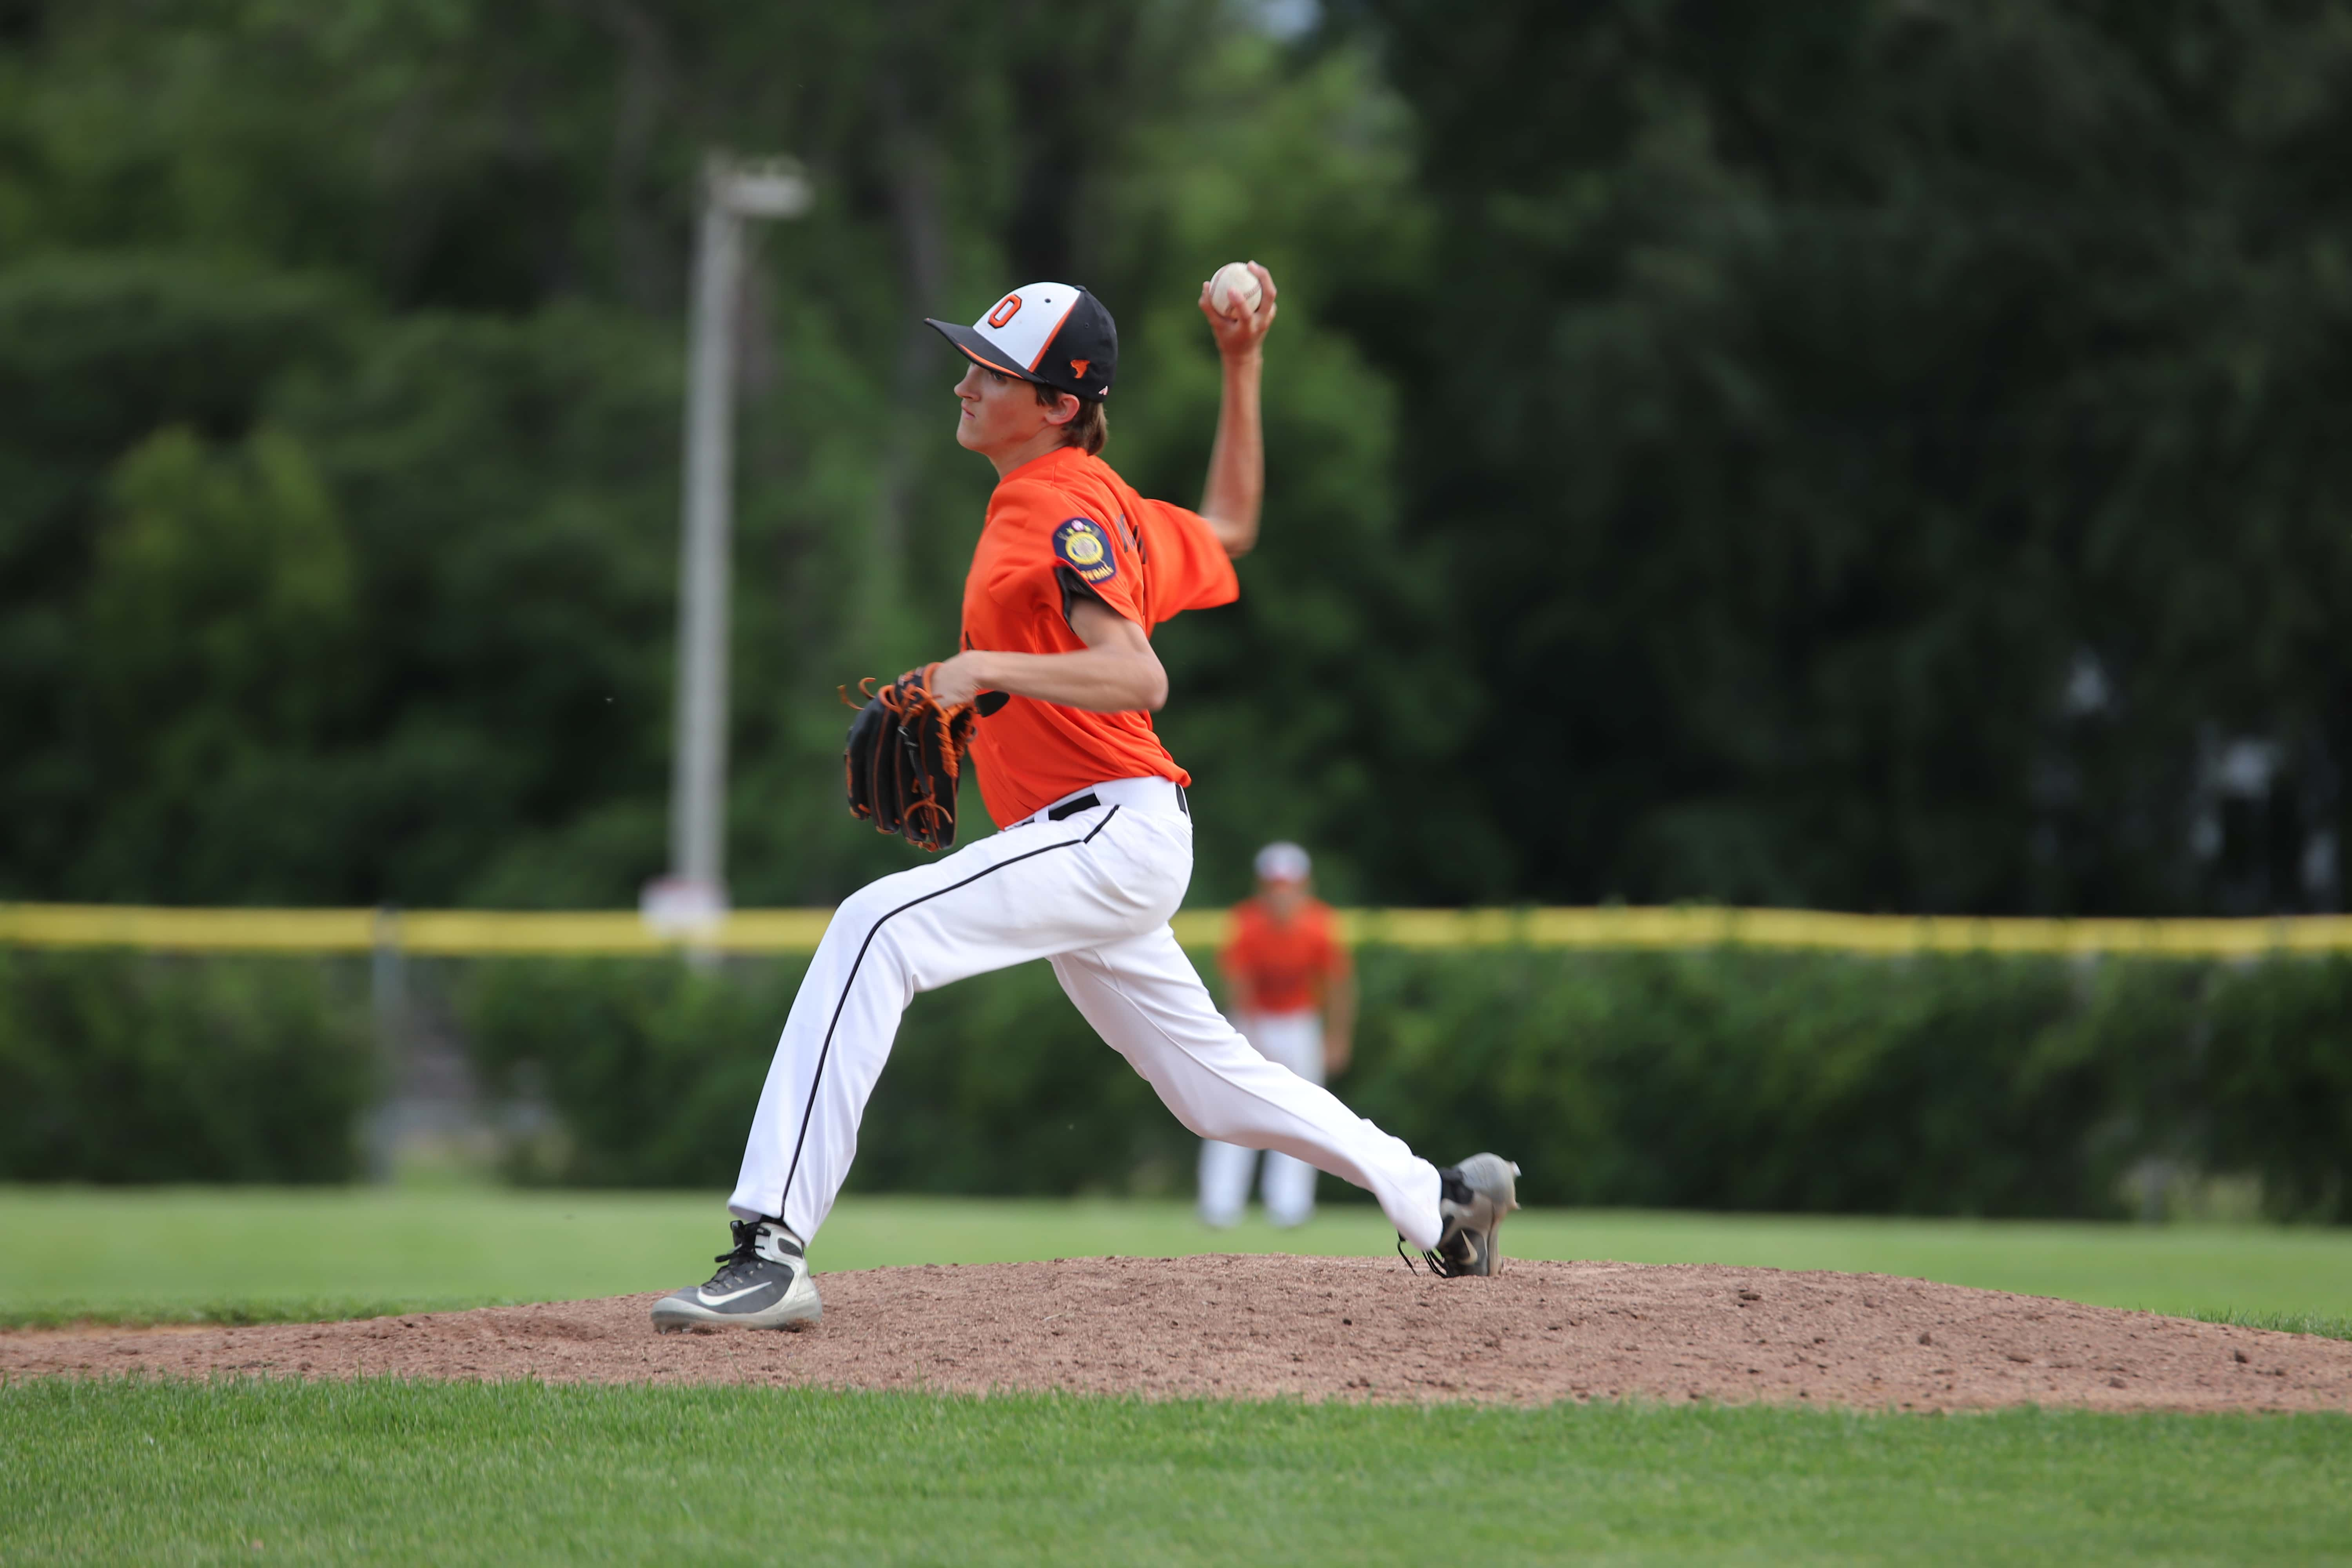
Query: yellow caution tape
491, 933
188, 930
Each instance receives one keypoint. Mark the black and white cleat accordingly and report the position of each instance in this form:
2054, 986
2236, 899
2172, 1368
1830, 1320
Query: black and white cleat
762, 1283
1473, 1198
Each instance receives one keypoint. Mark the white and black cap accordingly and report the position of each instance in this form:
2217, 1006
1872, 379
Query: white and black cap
1055, 333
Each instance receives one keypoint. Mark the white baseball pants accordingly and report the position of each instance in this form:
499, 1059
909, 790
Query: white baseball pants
1293, 1040
1091, 891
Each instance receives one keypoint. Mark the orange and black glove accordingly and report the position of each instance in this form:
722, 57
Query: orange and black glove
905, 757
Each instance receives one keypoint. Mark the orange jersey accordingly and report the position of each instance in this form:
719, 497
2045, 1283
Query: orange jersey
1282, 966
1060, 526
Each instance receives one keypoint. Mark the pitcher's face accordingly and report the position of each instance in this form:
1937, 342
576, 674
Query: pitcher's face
1000, 412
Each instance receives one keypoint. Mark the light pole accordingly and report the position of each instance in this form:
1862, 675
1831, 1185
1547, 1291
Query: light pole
695, 891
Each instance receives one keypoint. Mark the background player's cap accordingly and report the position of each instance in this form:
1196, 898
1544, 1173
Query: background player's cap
1057, 333
1282, 862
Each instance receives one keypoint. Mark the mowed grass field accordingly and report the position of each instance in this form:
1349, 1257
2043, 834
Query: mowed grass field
163, 1253
519, 1473
135, 1470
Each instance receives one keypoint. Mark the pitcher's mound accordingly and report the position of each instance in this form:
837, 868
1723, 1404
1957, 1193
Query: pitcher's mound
1321, 1328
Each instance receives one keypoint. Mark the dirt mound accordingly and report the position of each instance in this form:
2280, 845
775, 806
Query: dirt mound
1321, 1328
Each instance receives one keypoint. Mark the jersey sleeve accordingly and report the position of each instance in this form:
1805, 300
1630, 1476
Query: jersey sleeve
1190, 566
1068, 549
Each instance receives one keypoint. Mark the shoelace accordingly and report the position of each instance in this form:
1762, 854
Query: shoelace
1438, 1265
747, 1238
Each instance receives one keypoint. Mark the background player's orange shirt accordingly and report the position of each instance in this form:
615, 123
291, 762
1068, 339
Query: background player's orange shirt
1054, 522
1282, 966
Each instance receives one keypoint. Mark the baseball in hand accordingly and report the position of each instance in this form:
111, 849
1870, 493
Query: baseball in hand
1234, 290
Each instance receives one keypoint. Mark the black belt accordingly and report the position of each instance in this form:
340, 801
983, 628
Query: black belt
1089, 800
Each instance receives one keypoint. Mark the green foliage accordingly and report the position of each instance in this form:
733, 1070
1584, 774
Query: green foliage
116, 1068
1725, 1079
652, 1067
430, 261
509, 484
221, 627
1743, 1080
2282, 1105
1969, 1085
1891, 438
129, 386
1876, 456
995, 1085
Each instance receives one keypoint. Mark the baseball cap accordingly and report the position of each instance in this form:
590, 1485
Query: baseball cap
1055, 333
1282, 862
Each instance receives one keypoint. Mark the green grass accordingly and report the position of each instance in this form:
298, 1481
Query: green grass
135, 1470
393, 1472
2326, 1327
260, 1254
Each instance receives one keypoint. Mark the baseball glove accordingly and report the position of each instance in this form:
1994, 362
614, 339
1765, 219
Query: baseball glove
904, 757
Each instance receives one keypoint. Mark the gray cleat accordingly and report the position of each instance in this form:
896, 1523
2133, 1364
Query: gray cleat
1473, 1198
763, 1283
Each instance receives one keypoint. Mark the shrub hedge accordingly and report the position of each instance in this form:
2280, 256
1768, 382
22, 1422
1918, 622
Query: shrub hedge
1728, 1078
995, 1085
118, 1067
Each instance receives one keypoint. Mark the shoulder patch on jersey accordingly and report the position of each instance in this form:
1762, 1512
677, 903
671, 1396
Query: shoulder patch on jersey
1079, 544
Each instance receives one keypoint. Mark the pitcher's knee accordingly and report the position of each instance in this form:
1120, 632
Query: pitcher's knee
1224, 1128
854, 920
1199, 1123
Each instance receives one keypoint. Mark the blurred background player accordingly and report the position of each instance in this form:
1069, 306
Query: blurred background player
1293, 995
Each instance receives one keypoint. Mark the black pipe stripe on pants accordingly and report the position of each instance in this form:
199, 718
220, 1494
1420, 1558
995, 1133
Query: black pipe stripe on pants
825, 1051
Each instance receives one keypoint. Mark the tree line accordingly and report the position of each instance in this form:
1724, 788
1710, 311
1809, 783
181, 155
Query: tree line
1887, 454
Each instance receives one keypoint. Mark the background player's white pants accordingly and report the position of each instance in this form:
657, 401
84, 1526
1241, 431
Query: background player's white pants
1293, 1040
1092, 892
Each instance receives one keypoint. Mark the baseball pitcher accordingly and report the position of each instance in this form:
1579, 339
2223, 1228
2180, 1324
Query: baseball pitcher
1050, 701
